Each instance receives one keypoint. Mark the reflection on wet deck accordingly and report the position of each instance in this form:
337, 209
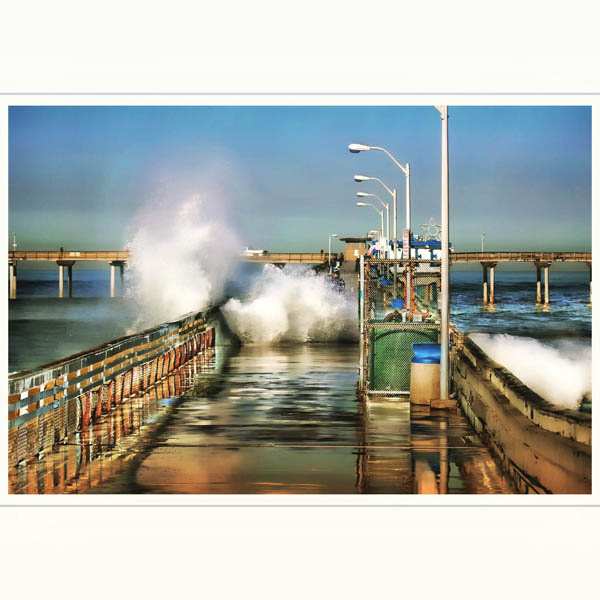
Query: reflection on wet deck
90, 458
269, 420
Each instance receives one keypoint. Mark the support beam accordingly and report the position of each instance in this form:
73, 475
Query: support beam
538, 283
485, 282
61, 281
112, 280
70, 280
61, 277
12, 280
489, 269
113, 265
546, 285
590, 268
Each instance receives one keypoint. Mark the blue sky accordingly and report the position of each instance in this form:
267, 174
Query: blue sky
79, 175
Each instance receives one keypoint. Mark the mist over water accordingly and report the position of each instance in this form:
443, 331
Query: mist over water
181, 256
292, 305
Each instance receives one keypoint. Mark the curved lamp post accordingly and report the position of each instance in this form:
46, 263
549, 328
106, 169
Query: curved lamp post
392, 193
386, 206
377, 210
356, 148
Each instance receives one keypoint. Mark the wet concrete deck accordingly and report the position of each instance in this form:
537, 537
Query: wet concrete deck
271, 420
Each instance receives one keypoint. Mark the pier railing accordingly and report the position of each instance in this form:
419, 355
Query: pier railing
46, 405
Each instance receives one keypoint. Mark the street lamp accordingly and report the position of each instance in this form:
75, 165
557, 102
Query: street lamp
392, 193
356, 148
331, 235
377, 210
482, 239
386, 206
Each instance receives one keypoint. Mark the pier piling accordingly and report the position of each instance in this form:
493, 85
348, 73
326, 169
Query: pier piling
489, 269
485, 283
61, 281
590, 268
61, 277
12, 280
113, 265
545, 266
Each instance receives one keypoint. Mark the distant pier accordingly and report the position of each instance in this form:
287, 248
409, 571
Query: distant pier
117, 259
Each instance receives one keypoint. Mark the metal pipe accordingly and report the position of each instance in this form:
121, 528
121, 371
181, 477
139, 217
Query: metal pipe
361, 319
445, 296
407, 196
395, 201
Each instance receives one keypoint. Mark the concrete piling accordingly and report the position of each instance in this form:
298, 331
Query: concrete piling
488, 282
590, 268
485, 283
61, 281
61, 277
545, 268
113, 265
112, 280
12, 280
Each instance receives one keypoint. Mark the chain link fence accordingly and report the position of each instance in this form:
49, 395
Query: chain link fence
397, 308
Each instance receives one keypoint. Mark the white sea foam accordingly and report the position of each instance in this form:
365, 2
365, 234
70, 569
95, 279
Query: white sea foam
561, 373
181, 254
293, 304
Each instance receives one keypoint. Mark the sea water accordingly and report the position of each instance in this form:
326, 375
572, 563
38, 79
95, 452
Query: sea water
291, 306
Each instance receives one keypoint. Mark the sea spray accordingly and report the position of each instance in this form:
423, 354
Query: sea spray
292, 305
181, 255
560, 372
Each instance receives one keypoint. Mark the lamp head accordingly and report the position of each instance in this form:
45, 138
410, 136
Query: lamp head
360, 178
355, 148
361, 204
364, 195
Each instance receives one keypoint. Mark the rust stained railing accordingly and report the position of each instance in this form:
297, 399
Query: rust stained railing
47, 404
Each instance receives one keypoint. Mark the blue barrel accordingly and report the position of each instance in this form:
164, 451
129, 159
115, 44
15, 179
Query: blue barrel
397, 303
426, 354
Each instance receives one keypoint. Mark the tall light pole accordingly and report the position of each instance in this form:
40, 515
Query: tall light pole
331, 235
392, 193
377, 210
482, 239
355, 148
445, 295
385, 206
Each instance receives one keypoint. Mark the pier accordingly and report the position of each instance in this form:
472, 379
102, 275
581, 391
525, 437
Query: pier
117, 259
542, 261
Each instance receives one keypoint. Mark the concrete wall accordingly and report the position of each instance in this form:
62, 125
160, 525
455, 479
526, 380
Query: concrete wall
543, 449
